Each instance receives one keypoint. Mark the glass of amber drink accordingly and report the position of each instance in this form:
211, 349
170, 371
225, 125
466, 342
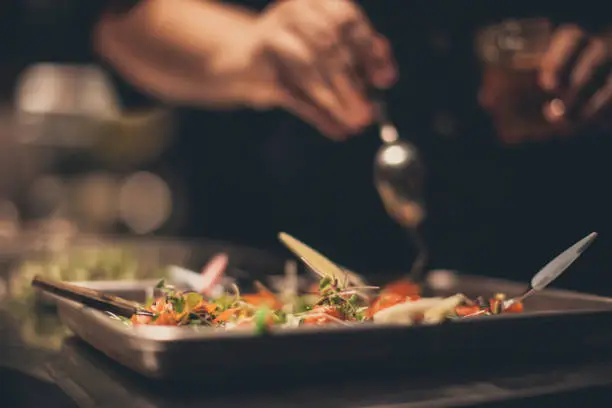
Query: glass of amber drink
510, 53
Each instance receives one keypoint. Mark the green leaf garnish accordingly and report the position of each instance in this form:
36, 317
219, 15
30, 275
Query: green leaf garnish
336, 300
178, 303
161, 284
261, 326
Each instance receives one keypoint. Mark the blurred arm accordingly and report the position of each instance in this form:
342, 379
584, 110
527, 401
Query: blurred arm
182, 51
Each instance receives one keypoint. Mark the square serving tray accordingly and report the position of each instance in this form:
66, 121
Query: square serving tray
556, 322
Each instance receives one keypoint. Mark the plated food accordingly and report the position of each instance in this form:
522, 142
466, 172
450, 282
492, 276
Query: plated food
329, 303
340, 297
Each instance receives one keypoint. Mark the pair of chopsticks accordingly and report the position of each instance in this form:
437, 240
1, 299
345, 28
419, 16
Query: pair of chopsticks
89, 297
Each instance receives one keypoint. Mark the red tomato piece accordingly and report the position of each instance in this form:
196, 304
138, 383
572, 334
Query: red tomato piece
403, 287
515, 308
467, 310
384, 301
263, 299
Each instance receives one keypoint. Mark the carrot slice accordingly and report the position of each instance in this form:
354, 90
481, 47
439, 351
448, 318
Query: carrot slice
226, 315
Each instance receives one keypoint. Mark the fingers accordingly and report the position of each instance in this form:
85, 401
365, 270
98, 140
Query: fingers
576, 70
316, 117
306, 91
381, 68
565, 48
589, 75
357, 108
371, 52
334, 63
327, 56
600, 105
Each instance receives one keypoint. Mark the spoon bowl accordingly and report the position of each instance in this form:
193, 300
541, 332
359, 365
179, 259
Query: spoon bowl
398, 177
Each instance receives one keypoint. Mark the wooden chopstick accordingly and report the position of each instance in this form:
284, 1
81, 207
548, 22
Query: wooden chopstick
89, 297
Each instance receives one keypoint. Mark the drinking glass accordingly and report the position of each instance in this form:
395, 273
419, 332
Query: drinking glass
511, 53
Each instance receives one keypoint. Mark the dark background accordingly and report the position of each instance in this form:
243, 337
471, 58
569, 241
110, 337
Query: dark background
493, 209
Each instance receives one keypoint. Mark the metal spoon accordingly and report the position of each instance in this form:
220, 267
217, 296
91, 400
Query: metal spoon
398, 177
553, 269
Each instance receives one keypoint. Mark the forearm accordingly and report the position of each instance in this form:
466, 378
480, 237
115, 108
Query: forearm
165, 47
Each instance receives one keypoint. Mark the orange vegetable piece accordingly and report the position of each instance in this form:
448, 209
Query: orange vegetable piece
384, 301
263, 298
515, 308
165, 319
403, 287
140, 319
467, 310
207, 307
226, 315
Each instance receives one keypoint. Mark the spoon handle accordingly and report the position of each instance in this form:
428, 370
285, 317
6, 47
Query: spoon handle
420, 262
382, 113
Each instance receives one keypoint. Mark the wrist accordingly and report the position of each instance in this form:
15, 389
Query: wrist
243, 68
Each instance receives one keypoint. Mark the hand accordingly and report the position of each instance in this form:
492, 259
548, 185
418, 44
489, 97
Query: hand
324, 55
316, 58
577, 70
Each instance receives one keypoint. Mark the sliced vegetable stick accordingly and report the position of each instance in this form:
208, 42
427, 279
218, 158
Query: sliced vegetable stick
213, 272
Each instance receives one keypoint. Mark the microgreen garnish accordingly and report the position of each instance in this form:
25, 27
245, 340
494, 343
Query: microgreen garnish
179, 303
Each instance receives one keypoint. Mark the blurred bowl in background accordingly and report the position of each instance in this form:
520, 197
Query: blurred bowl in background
74, 107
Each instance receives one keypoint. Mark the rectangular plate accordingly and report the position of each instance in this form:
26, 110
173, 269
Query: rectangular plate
555, 322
